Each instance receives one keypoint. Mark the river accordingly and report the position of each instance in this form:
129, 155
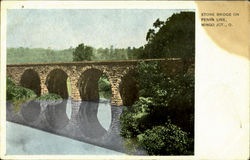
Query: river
25, 140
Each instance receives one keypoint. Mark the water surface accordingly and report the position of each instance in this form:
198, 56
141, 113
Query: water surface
25, 140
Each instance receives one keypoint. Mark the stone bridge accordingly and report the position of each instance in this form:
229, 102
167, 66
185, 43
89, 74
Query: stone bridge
52, 78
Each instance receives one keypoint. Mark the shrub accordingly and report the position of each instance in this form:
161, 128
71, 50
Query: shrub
168, 140
16, 92
49, 96
18, 95
104, 87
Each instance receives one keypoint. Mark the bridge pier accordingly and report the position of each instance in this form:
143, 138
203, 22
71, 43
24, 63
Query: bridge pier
75, 94
44, 89
116, 99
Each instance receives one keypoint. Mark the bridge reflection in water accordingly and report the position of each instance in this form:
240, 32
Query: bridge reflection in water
92, 122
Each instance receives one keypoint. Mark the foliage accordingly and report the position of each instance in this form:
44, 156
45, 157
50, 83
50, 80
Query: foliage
174, 38
49, 96
104, 87
82, 52
161, 98
110, 54
101, 54
35, 55
164, 140
18, 95
135, 53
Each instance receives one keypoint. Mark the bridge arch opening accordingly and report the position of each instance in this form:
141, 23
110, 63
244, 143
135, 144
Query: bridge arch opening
56, 82
59, 113
93, 85
30, 79
128, 88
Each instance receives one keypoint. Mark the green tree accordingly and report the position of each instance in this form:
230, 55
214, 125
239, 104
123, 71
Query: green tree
174, 38
82, 52
162, 120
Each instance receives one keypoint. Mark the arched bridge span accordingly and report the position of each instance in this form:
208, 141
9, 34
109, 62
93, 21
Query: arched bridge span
51, 78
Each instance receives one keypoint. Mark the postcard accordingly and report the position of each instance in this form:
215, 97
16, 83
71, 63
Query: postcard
124, 80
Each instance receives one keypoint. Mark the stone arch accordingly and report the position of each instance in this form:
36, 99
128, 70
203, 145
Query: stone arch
88, 84
56, 82
30, 79
128, 88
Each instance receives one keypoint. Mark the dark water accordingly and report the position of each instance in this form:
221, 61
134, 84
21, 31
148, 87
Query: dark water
26, 140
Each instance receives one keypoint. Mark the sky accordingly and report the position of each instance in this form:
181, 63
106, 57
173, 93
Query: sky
65, 28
